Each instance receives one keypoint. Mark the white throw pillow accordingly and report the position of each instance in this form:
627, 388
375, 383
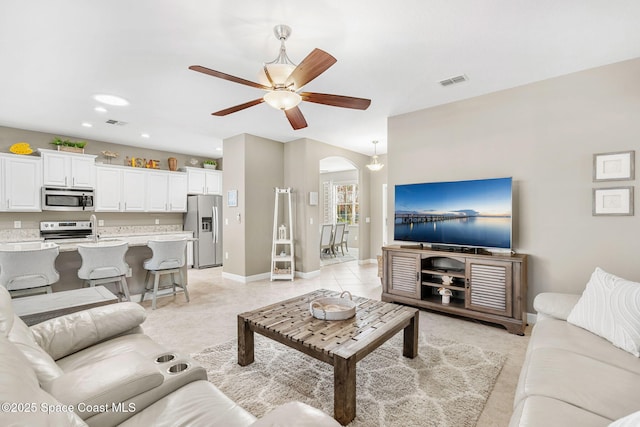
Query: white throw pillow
610, 308
632, 420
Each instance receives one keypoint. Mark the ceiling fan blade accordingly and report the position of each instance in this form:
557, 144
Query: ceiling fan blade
316, 63
226, 76
336, 100
296, 118
238, 107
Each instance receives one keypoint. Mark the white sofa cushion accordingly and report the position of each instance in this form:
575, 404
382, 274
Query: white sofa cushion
610, 308
12, 327
632, 420
68, 334
24, 402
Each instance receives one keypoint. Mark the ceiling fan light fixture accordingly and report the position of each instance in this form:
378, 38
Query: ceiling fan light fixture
279, 74
282, 99
375, 166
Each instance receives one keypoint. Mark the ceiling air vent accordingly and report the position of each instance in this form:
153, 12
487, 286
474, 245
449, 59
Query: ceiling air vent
115, 122
453, 80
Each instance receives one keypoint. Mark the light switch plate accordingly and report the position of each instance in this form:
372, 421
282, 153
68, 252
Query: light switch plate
17, 224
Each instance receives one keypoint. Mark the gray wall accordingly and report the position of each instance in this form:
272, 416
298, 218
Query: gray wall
253, 167
378, 179
302, 173
9, 136
544, 135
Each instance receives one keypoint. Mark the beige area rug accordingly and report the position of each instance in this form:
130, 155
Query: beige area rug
446, 385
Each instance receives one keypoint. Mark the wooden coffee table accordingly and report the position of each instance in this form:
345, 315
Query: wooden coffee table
340, 343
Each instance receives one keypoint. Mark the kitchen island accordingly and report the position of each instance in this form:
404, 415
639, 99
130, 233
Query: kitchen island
68, 262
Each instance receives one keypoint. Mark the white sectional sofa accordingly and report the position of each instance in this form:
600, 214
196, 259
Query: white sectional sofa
97, 368
572, 377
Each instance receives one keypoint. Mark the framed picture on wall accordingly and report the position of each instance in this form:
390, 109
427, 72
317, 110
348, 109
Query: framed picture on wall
613, 201
618, 166
232, 198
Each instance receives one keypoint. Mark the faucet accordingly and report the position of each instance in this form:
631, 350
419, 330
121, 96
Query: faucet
94, 227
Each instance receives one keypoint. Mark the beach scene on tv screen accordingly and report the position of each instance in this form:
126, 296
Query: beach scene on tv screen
466, 213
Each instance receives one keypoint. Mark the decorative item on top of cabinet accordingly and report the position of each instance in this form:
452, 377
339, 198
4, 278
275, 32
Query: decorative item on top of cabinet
209, 164
21, 148
67, 145
109, 155
173, 164
139, 162
153, 164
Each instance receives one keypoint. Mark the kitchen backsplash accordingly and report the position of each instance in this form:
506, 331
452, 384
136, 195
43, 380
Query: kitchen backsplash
19, 235
26, 234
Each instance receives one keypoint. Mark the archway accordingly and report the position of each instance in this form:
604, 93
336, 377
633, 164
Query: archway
339, 206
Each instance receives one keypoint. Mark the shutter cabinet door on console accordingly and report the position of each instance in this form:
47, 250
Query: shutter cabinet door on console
404, 274
489, 285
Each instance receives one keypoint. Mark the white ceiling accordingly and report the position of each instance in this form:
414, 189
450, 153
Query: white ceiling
54, 55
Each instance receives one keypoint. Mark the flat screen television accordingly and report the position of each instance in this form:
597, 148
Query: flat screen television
475, 214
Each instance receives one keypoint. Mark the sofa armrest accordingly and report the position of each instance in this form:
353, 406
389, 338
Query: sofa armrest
64, 335
555, 304
119, 378
296, 414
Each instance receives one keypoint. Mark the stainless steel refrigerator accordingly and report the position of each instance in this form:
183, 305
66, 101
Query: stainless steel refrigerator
204, 218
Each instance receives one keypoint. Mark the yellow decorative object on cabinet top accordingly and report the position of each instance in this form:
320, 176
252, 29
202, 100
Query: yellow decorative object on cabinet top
21, 148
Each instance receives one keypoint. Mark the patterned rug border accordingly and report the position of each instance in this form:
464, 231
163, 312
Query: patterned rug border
391, 389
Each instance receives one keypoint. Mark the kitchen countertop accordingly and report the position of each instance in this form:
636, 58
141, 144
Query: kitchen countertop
103, 240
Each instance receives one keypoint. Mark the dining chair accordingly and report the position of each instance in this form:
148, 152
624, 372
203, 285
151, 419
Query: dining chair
345, 239
337, 238
326, 240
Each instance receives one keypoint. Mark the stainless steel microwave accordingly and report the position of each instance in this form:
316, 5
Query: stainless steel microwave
67, 199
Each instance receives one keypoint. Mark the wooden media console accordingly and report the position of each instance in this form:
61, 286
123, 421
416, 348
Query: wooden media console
486, 287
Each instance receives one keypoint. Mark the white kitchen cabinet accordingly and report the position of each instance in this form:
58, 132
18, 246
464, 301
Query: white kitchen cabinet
166, 191
204, 181
108, 189
157, 191
177, 195
133, 190
126, 189
62, 169
120, 189
21, 183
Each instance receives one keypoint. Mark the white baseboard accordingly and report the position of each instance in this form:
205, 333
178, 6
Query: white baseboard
265, 276
531, 318
245, 279
308, 275
367, 261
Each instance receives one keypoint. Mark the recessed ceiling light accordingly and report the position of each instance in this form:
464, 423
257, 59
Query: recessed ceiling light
145, 135
110, 99
219, 149
87, 125
100, 109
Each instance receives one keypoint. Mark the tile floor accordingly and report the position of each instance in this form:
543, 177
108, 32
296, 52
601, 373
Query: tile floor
210, 318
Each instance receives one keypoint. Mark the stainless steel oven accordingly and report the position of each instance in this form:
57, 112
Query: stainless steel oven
66, 231
67, 199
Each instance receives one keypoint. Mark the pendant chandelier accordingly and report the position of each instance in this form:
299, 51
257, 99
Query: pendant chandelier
375, 166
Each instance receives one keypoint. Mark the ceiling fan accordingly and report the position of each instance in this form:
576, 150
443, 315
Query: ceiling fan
283, 81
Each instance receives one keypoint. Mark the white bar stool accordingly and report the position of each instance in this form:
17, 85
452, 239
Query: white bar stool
168, 258
103, 262
28, 268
